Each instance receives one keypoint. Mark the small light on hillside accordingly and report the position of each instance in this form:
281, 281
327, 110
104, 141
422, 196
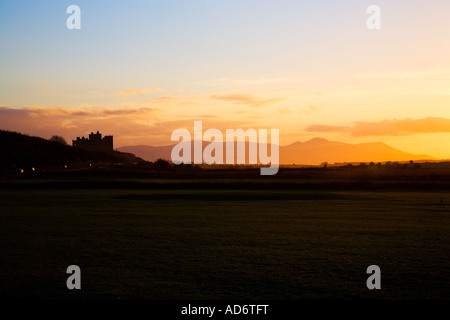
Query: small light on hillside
65, 166
33, 169
21, 171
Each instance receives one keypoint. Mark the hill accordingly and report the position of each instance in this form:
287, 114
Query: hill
23, 151
311, 152
320, 150
149, 153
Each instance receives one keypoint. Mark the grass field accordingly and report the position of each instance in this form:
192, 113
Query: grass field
216, 244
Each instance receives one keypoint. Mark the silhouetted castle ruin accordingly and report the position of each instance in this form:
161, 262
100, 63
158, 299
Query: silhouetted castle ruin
95, 142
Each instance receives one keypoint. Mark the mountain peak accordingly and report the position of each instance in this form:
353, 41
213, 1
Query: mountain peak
317, 140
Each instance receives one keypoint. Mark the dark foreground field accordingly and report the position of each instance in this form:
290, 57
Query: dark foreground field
217, 244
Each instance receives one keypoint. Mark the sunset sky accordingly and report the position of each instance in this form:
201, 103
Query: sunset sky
140, 69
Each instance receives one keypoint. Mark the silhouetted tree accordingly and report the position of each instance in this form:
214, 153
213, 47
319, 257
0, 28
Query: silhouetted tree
161, 164
58, 139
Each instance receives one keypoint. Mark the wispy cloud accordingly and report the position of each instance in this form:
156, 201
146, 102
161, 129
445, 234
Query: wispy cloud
312, 92
387, 127
233, 82
92, 111
200, 116
48, 91
434, 73
171, 100
198, 100
134, 92
245, 99
284, 111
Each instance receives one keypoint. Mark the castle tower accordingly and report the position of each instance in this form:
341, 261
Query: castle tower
95, 142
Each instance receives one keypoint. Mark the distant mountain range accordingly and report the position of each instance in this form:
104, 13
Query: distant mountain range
311, 152
23, 151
